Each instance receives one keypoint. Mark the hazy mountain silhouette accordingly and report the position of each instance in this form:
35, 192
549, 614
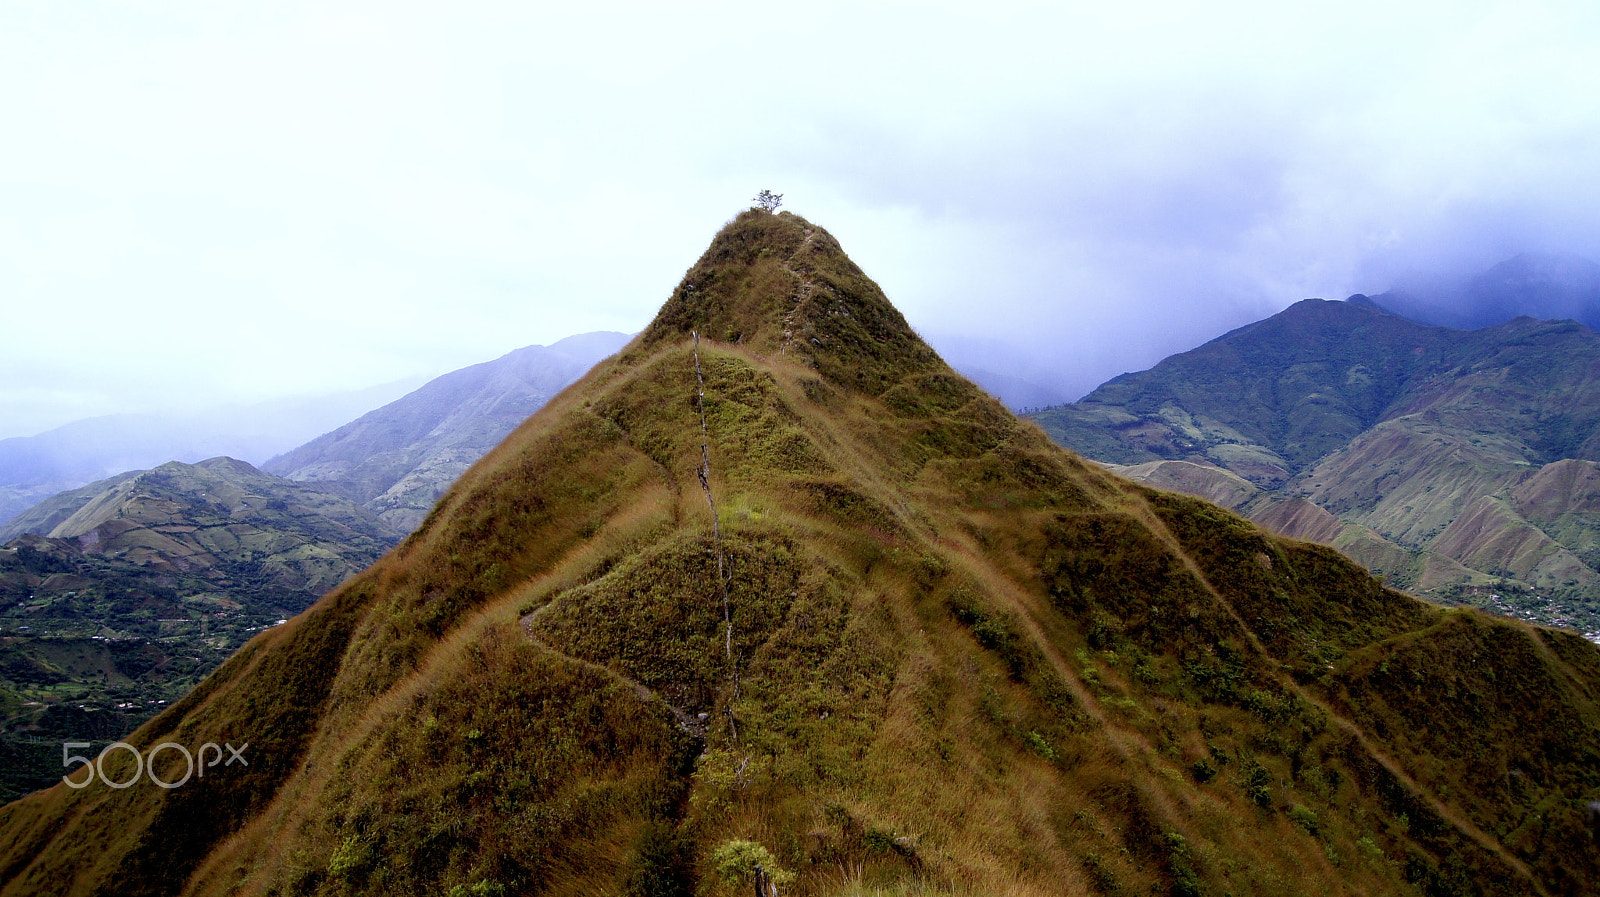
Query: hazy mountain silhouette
1537, 285
32, 468
398, 459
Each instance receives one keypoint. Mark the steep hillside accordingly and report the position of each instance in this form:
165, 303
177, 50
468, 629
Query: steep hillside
1299, 518
397, 461
52, 510
1417, 439
1265, 400
774, 593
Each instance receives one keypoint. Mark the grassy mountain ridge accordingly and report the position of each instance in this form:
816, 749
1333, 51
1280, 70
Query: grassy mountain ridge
918, 648
1419, 438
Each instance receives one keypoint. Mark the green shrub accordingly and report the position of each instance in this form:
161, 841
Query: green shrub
1369, 848
1185, 881
1256, 780
1305, 818
350, 858
740, 861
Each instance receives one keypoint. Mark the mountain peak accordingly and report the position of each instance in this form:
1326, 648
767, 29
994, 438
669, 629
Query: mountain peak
873, 627
779, 285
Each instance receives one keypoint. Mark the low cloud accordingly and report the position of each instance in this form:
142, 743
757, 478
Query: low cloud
218, 203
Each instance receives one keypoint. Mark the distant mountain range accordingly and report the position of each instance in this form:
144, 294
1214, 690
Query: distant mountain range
397, 461
346, 497
409, 448
1439, 457
33, 468
243, 531
118, 596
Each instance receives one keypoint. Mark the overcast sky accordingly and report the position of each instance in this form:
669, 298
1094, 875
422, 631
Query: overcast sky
208, 202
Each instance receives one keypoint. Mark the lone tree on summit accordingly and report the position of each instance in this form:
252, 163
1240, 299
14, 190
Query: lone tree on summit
768, 200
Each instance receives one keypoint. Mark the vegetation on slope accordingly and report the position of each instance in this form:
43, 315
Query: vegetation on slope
146, 583
223, 521
963, 661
